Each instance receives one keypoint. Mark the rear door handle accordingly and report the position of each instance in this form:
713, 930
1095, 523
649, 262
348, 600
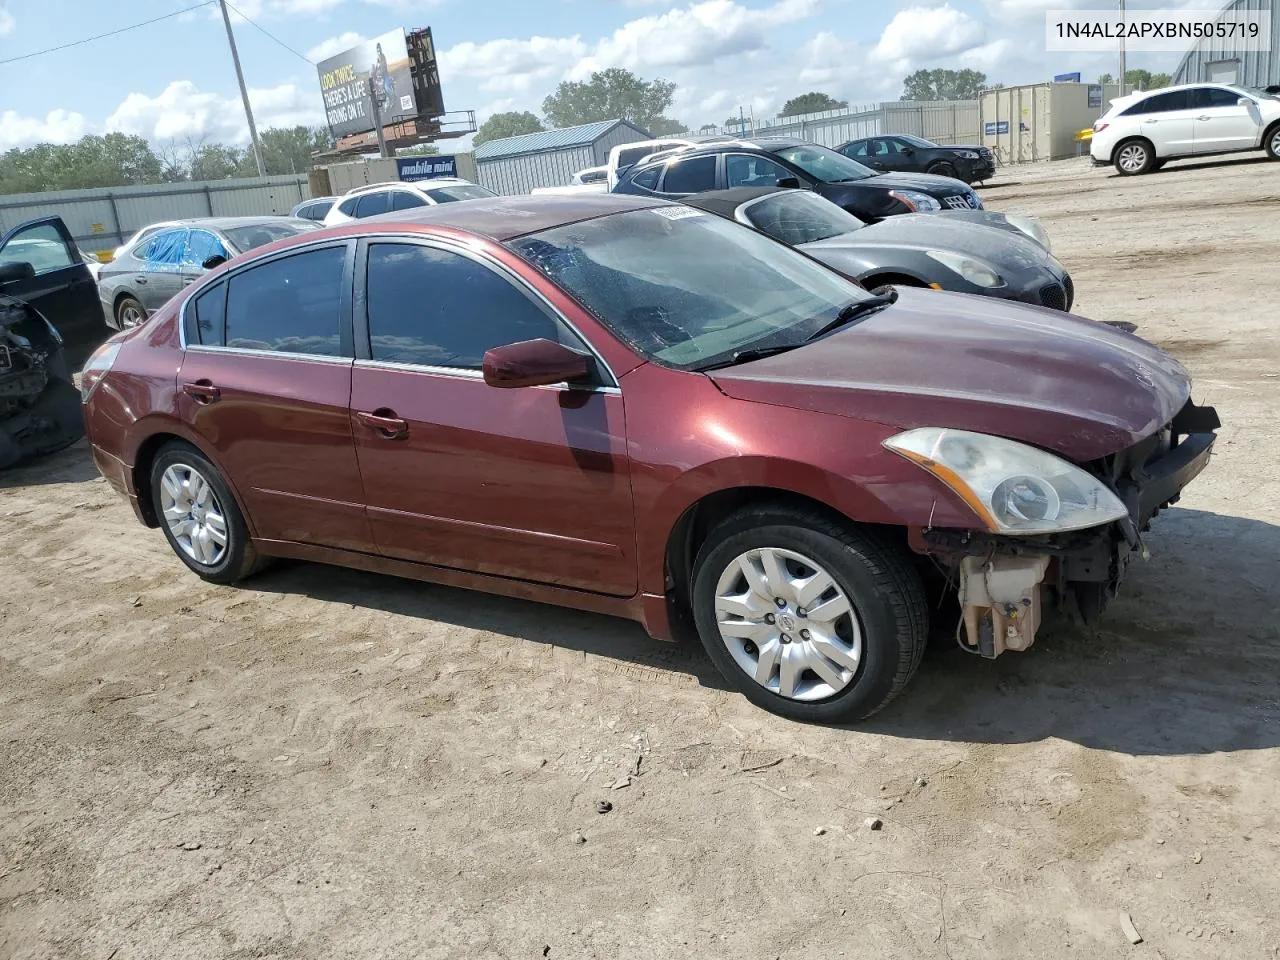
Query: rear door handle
202, 391
385, 423
140, 279
187, 281
1203, 118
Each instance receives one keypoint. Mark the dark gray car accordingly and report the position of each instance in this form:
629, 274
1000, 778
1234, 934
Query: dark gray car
159, 263
939, 250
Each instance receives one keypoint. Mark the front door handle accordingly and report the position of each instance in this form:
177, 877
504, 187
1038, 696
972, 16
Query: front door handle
202, 391
187, 281
139, 279
1202, 118
385, 423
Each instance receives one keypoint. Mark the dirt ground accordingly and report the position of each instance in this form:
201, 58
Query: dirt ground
325, 763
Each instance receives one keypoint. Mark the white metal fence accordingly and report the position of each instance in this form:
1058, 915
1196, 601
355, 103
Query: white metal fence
942, 121
102, 219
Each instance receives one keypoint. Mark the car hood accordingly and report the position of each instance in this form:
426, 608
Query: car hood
1063, 383
927, 182
938, 231
976, 148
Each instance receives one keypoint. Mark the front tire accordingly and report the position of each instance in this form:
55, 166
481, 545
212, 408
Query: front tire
1134, 157
942, 169
200, 517
1271, 142
808, 618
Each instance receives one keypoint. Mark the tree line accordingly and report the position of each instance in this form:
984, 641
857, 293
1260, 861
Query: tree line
617, 94
117, 159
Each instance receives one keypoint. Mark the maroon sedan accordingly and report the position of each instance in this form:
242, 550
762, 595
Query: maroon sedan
633, 407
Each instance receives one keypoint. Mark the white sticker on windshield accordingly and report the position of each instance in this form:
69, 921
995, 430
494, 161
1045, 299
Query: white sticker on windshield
677, 213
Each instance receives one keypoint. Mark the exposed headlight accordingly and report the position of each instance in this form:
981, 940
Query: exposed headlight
1031, 227
975, 271
915, 200
965, 154
1015, 489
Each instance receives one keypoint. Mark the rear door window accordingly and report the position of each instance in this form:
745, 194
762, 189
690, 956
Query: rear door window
289, 305
165, 249
372, 204
693, 175
404, 200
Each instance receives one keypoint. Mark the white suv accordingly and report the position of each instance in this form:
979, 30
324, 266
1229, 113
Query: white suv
375, 198
1143, 131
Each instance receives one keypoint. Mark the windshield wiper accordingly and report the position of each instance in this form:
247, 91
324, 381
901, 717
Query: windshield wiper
751, 353
853, 311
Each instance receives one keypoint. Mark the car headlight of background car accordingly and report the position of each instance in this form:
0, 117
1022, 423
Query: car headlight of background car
966, 154
1014, 488
1031, 227
975, 271
915, 200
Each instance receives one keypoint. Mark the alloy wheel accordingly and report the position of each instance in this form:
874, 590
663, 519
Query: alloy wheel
130, 316
1275, 143
193, 514
788, 624
1133, 157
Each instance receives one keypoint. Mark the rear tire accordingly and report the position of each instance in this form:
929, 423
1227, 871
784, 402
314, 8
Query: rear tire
130, 313
838, 666
200, 517
942, 169
1134, 157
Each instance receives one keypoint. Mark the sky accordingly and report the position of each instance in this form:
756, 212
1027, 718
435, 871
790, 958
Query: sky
173, 82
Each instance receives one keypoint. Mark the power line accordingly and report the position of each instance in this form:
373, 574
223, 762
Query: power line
103, 36
271, 36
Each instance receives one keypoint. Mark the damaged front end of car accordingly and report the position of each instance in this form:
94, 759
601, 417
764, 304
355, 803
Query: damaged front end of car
1058, 534
39, 405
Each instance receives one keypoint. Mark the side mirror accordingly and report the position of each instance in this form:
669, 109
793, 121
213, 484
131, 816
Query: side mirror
789, 183
216, 260
908, 151
17, 270
534, 363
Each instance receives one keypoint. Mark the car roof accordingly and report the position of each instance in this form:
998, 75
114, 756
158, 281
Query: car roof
218, 223
502, 218
763, 144
408, 185
726, 202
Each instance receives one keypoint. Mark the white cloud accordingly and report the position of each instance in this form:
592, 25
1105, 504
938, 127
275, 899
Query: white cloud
335, 45
7, 23
181, 110
295, 7
1004, 10
922, 33
989, 56
696, 35
506, 66
58, 126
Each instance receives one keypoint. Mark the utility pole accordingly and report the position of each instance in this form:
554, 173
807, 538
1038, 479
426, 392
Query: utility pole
244, 92
377, 119
1122, 50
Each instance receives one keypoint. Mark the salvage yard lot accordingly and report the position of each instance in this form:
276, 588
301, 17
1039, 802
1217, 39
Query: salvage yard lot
326, 763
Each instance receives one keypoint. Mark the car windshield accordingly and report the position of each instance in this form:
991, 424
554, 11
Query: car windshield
686, 288
799, 216
823, 164
462, 191
260, 234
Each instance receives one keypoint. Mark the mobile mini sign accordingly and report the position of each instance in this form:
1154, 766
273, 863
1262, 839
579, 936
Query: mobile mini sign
410, 169
348, 94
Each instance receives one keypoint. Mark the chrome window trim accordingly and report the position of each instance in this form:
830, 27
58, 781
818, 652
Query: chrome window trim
273, 354
191, 294
488, 260
468, 373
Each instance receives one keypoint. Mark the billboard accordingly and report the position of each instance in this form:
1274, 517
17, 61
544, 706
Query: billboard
409, 169
426, 75
348, 95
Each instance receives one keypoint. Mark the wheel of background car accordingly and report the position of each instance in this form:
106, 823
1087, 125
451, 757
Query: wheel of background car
807, 617
1272, 139
199, 516
1134, 157
129, 313
942, 169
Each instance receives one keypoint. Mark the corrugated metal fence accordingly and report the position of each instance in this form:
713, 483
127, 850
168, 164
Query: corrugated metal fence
102, 219
943, 121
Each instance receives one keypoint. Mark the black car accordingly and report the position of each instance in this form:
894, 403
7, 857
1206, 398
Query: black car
943, 250
970, 163
785, 162
41, 265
